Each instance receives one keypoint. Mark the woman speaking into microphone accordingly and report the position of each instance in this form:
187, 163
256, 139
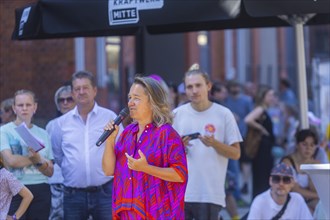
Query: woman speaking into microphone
148, 160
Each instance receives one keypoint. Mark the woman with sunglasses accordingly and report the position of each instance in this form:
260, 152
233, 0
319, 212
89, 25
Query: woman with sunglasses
64, 103
6, 111
306, 144
278, 202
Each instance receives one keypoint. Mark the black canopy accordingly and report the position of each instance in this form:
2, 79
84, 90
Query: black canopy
74, 18
82, 18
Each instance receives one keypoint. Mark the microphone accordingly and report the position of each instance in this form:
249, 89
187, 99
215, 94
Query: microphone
122, 114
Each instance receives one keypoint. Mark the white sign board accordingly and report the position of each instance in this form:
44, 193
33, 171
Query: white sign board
127, 11
24, 18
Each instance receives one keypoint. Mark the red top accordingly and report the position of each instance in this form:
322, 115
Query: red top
149, 196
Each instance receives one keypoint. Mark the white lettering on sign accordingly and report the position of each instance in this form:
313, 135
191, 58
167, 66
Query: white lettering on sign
24, 18
127, 11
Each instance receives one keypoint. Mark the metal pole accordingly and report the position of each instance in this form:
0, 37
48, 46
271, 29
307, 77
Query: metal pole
298, 21
80, 53
301, 71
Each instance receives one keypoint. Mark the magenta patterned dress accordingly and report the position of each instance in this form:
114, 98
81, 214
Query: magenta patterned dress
139, 194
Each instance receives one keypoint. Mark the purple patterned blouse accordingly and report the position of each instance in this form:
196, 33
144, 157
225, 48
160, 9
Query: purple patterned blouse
148, 196
9, 187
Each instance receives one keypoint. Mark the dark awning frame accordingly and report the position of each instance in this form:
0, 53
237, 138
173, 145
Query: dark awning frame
86, 18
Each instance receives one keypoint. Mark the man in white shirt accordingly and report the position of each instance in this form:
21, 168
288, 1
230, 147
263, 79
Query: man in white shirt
87, 190
271, 203
208, 154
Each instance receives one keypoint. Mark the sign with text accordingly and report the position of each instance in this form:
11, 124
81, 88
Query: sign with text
127, 11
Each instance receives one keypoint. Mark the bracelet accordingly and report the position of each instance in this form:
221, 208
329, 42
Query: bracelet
45, 167
39, 165
14, 217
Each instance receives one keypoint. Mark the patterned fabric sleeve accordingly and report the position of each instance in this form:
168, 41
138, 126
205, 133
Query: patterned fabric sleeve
177, 158
14, 185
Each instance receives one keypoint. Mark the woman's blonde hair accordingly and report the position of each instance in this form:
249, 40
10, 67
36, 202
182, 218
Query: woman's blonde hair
158, 99
25, 91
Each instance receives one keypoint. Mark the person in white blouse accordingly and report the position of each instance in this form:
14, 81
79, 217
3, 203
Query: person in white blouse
64, 103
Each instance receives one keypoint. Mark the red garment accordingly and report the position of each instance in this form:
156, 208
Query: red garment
149, 196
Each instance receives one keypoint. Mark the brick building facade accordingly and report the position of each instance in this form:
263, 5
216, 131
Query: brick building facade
39, 65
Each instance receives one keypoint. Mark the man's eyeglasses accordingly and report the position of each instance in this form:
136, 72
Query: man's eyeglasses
285, 179
62, 100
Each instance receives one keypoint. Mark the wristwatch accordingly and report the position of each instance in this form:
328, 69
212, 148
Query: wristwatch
38, 164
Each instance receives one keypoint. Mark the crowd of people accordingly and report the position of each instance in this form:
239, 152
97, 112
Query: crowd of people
180, 154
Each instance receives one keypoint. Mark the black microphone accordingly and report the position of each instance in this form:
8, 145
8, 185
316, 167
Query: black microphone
122, 114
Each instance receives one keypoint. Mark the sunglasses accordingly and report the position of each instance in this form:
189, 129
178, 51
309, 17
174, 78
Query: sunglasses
4, 111
62, 100
285, 179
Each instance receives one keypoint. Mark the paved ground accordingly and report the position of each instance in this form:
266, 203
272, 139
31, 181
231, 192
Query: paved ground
241, 210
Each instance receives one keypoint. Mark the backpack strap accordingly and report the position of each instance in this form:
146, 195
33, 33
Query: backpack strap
281, 212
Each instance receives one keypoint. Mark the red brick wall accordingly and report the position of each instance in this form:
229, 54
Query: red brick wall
39, 65
217, 56
192, 49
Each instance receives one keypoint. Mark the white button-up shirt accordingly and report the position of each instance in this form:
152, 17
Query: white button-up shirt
74, 146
